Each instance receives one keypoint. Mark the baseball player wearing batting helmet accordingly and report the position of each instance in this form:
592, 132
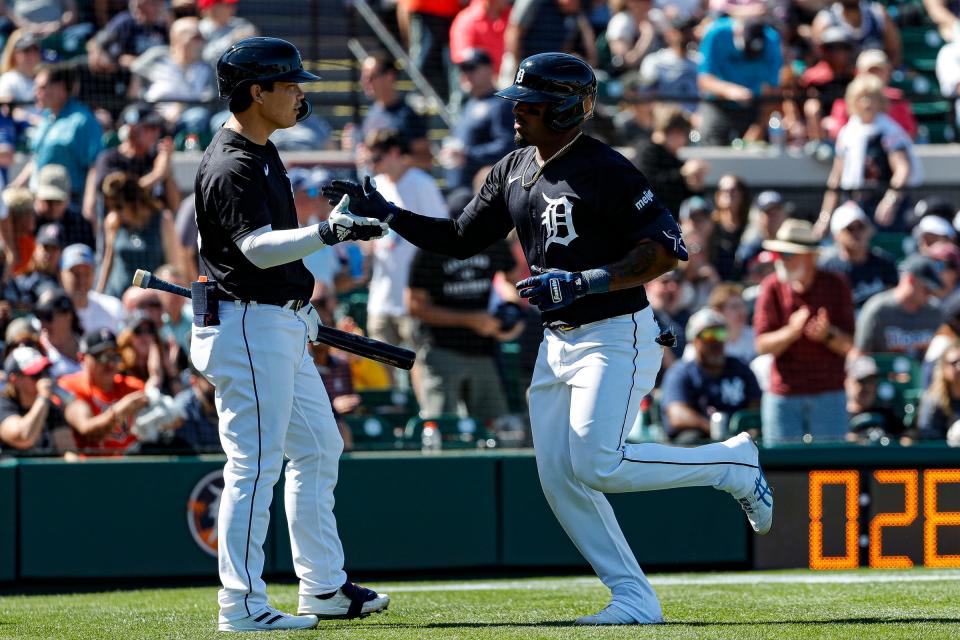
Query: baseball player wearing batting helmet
593, 233
249, 340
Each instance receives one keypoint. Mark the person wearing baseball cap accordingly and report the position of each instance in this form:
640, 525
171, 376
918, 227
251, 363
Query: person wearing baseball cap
41, 270
932, 229
30, 416
771, 211
903, 319
96, 310
803, 317
869, 419
106, 401
825, 82
948, 255
869, 270
220, 27
51, 202
711, 382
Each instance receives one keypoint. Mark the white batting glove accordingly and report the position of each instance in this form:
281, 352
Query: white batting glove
343, 225
310, 316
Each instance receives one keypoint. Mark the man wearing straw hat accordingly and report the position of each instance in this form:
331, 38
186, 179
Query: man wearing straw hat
804, 319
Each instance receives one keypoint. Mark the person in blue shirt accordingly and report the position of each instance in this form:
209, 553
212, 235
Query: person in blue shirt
484, 132
693, 390
68, 134
741, 62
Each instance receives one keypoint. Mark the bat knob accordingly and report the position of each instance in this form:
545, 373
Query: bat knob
141, 278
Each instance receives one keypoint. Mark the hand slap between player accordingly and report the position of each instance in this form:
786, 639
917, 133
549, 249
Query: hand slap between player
551, 289
365, 201
343, 224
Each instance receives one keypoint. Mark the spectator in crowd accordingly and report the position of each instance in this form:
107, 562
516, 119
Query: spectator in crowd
804, 318
144, 151
741, 63
19, 64
709, 383
940, 405
146, 302
771, 211
104, 86
52, 205
96, 310
68, 134
670, 309
672, 70
948, 73
483, 132
874, 156
876, 63
177, 312
106, 402
675, 179
42, 270
931, 230
220, 27
481, 25
60, 331
30, 418
186, 228
696, 218
539, 26
824, 83
43, 17
197, 405
378, 78
699, 275
947, 254
730, 215
132, 32
458, 336
178, 79
20, 228
631, 34
338, 383
429, 34
868, 270
138, 233
867, 22
946, 15
947, 334
414, 190
144, 356
22, 331
903, 319
727, 300
365, 374
869, 420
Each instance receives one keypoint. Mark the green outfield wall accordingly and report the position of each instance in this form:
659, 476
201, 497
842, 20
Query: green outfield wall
151, 517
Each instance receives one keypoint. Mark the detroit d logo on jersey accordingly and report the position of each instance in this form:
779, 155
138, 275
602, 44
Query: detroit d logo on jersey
557, 220
202, 509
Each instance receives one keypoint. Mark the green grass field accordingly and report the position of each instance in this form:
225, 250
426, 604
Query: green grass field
861, 605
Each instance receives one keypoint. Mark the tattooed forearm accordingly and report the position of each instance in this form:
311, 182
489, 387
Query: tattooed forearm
643, 263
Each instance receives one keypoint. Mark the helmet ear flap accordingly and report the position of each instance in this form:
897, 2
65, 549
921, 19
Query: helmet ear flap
305, 110
571, 112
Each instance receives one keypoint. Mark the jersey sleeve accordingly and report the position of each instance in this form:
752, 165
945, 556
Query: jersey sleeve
486, 218
238, 198
637, 212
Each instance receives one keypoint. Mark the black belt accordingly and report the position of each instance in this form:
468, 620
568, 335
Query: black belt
293, 305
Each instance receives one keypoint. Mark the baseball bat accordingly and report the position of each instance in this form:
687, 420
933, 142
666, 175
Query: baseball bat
358, 345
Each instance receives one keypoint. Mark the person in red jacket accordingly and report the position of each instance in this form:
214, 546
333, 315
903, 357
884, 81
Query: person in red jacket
480, 25
429, 32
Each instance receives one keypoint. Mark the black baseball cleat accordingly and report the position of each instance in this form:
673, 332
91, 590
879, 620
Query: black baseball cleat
349, 601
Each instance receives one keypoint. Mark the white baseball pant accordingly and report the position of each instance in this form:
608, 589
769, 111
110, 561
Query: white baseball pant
271, 402
584, 399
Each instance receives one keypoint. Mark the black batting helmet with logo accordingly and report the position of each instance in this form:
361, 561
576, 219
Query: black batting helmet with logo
566, 83
260, 59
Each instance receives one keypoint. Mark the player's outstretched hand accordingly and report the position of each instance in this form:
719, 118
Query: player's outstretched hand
343, 224
551, 289
364, 201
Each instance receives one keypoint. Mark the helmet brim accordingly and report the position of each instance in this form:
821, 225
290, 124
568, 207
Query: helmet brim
297, 75
517, 93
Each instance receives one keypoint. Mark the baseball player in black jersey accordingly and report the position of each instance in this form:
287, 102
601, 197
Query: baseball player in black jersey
252, 320
593, 233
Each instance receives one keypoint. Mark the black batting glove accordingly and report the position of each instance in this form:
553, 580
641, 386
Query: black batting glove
365, 201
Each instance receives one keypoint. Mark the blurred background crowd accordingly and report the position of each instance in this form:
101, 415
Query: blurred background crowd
806, 317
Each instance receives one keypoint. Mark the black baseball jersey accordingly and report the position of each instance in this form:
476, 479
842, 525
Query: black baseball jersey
588, 208
242, 186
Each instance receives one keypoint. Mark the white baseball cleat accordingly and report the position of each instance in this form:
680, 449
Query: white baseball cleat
754, 494
610, 615
269, 619
349, 601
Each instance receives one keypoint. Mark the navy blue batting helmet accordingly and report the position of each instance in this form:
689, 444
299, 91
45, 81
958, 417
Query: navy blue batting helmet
564, 82
260, 59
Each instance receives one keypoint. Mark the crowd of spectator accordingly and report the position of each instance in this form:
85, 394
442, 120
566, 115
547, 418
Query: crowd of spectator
782, 312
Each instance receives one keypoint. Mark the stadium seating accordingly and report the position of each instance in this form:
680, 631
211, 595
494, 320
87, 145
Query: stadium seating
456, 432
372, 433
745, 420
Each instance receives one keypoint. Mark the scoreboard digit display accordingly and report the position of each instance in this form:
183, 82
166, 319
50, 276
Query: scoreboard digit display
862, 517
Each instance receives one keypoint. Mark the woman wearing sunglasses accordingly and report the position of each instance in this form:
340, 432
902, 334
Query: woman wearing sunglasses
60, 331
940, 406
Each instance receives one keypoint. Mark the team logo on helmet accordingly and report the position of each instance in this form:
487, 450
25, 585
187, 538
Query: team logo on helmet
556, 216
519, 76
202, 509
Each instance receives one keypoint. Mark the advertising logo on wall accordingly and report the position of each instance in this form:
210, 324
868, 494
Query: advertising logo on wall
202, 509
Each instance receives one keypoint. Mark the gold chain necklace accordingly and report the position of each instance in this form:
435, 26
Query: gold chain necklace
536, 176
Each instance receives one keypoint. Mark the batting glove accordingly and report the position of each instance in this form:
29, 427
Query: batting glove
310, 316
551, 289
366, 200
346, 225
